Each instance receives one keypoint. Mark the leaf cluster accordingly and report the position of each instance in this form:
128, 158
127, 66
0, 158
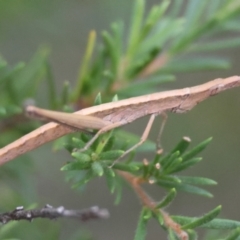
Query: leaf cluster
162, 170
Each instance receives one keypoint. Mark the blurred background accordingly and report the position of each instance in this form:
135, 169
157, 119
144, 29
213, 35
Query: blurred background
64, 26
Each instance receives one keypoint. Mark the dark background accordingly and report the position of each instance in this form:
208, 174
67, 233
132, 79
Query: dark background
64, 27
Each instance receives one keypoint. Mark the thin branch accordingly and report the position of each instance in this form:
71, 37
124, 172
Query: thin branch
148, 202
52, 213
109, 116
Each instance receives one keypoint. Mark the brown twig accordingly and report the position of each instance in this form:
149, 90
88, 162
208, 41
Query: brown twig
52, 213
108, 116
150, 203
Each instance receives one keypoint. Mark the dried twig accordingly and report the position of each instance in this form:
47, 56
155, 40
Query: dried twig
108, 116
151, 204
52, 213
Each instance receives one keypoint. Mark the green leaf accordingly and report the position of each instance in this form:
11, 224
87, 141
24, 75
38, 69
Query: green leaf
28, 79
71, 144
182, 145
167, 199
8, 228
98, 99
216, 45
135, 29
115, 98
170, 178
197, 180
97, 168
117, 29
231, 25
3, 111
196, 64
118, 191
181, 43
52, 93
111, 51
6, 75
154, 162
65, 97
166, 162
194, 190
110, 178
172, 235
194, 13
204, 219
216, 223
82, 157
111, 155
79, 164
212, 7
222, 224
108, 75
103, 142
126, 167
145, 86
184, 187
110, 143
192, 235
159, 218
228, 11
85, 66
199, 148
167, 29
152, 18
184, 165
10, 110
147, 169
85, 138
141, 230
234, 235
3, 67
172, 166
88, 176
142, 61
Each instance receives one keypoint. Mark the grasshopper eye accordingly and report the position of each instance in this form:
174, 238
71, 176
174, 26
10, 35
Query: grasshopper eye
32, 112
29, 111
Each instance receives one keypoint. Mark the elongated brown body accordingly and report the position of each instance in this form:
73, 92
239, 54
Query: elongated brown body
121, 112
80, 122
